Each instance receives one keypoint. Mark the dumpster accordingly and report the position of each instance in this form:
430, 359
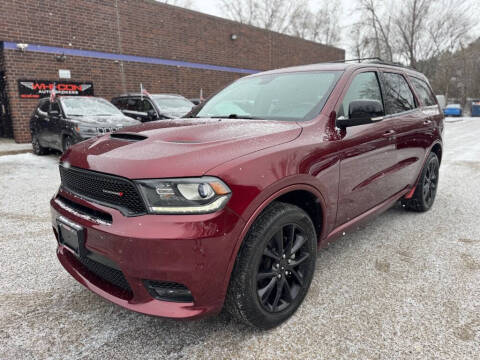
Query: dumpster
476, 108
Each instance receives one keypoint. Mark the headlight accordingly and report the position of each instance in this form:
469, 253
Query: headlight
184, 196
86, 130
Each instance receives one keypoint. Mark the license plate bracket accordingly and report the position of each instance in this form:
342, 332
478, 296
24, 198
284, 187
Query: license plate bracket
72, 236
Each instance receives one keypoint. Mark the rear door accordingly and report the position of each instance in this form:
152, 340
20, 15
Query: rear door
368, 153
402, 108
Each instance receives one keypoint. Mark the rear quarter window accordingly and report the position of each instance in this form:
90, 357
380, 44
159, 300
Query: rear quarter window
424, 92
398, 96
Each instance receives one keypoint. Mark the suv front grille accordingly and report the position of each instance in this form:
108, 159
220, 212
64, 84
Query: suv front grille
108, 190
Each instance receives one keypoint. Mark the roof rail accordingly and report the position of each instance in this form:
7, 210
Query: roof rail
357, 60
373, 60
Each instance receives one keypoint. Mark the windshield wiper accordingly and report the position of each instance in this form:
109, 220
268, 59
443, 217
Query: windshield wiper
234, 116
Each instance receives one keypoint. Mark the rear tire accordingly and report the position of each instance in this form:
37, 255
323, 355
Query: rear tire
274, 267
424, 195
37, 148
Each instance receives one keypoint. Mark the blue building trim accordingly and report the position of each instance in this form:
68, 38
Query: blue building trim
121, 57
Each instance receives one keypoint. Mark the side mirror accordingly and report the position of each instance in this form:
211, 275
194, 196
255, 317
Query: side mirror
361, 112
151, 114
53, 113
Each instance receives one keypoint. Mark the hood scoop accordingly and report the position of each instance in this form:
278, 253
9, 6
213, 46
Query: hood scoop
128, 136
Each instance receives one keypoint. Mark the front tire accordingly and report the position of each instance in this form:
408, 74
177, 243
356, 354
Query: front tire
67, 143
274, 267
37, 148
424, 195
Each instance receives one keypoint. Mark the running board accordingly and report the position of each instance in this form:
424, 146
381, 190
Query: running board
376, 210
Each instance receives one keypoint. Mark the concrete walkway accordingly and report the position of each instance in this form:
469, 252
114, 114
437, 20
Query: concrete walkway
10, 147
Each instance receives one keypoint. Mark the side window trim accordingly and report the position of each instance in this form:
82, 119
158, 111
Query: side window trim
383, 87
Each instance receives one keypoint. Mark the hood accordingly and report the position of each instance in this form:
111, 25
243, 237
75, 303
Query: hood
178, 148
115, 121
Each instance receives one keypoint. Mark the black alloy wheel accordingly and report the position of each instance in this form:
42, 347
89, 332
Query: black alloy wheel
274, 267
430, 183
280, 276
426, 190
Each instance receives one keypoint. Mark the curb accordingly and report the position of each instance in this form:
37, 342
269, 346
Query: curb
15, 152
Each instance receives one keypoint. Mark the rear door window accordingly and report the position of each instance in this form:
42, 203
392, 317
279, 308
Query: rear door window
424, 92
44, 107
365, 86
119, 103
398, 96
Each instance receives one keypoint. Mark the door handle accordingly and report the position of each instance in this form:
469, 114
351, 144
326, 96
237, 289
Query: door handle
389, 133
427, 122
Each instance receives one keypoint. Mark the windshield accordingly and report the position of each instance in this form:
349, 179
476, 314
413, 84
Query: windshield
173, 105
283, 96
80, 106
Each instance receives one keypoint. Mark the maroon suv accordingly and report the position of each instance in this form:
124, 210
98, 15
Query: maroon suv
228, 206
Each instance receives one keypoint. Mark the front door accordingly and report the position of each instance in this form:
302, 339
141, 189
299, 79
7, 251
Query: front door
55, 126
369, 152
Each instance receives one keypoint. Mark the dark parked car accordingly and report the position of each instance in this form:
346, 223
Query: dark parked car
178, 218
71, 119
153, 107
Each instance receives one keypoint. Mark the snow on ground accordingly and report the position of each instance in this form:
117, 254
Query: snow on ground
405, 286
9, 145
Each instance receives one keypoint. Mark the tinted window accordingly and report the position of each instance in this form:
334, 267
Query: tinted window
398, 96
145, 106
280, 96
364, 87
55, 107
424, 92
120, 103
133, 104
44, 106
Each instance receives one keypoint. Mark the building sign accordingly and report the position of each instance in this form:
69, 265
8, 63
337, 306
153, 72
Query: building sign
36, 89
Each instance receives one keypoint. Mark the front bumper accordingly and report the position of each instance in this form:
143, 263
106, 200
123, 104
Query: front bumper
193, 250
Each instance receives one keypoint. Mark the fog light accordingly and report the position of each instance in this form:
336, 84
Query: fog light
168, 291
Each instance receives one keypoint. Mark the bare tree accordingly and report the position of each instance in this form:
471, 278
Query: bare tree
289, 17
321, 26
272, 15
374, 31
413, 30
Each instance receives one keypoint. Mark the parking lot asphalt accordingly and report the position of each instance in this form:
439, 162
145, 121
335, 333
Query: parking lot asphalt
405, 286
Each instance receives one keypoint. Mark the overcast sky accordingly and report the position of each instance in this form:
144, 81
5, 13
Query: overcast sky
348, 6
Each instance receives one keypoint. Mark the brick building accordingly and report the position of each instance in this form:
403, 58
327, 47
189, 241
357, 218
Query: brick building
118, 44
